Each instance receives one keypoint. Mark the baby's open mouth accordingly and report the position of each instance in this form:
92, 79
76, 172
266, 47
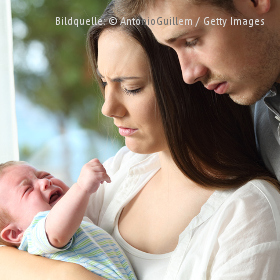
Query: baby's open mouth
54, 197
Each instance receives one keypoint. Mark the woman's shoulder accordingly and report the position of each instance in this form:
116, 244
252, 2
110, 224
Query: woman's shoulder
255, 205
247, 227
260, 191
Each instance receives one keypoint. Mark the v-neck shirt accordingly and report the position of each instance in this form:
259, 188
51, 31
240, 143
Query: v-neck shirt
236, 235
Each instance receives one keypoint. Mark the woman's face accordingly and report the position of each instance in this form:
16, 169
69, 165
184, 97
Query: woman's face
129, 95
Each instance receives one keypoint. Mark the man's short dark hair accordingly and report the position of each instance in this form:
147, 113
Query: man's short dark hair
132, 8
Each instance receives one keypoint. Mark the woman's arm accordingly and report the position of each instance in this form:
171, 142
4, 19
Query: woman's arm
16, 264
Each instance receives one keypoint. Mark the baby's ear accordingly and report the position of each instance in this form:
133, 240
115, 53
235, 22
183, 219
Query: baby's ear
12, 234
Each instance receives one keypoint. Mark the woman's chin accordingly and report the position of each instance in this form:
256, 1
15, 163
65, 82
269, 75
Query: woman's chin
137, 150
135, 147
141, 149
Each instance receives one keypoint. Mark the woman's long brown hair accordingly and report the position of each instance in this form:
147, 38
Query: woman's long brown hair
211, 138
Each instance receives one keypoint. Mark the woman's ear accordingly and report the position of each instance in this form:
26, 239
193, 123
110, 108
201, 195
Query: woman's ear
12, 234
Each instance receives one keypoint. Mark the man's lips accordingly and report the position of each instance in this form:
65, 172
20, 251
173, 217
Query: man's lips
219, 88
125, 131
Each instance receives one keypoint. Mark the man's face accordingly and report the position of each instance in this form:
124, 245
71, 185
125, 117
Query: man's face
239, 60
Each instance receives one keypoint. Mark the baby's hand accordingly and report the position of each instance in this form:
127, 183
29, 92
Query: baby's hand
92, 174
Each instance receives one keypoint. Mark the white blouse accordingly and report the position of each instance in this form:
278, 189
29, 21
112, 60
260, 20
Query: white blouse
236, 235
146, 266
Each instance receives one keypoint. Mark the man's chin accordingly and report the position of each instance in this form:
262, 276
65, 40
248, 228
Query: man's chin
243, 99
250, 95
239, 101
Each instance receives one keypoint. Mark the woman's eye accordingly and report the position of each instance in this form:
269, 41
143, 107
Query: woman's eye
131, 91
104, 84
191, 43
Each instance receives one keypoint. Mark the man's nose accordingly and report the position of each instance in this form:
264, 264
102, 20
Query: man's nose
192, 70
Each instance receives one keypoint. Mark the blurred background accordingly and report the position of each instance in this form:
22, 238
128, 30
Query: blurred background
58, 103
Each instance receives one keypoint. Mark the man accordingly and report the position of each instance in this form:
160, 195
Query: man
231, 46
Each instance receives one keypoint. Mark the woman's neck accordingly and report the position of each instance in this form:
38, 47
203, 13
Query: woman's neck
171, 174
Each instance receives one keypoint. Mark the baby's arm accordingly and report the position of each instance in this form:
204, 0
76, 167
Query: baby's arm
67, 214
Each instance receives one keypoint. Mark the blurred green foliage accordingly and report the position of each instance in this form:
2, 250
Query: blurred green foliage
65, 86
26, 152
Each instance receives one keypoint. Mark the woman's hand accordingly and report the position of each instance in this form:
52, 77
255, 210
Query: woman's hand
16, 264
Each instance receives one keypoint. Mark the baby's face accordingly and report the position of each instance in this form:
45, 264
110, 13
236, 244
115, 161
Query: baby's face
25, 191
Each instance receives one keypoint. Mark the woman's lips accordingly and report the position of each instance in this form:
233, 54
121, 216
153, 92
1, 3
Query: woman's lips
126, 131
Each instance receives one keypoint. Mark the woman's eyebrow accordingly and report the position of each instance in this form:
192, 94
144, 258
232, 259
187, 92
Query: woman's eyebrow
98, 73
117, 79
120, 79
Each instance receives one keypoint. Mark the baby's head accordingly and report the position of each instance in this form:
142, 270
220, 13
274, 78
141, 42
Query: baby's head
24, 192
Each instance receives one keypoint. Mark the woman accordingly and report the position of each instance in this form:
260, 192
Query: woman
166, 214
196, 207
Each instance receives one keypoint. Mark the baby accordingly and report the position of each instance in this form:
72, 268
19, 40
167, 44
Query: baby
41, 215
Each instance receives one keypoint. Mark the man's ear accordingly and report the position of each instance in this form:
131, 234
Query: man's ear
247, 7
12, 234
262, 6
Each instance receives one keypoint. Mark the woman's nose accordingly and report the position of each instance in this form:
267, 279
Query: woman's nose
113, 105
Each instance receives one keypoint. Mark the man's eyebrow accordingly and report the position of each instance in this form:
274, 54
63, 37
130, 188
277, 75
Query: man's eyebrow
118, 79
176, 37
